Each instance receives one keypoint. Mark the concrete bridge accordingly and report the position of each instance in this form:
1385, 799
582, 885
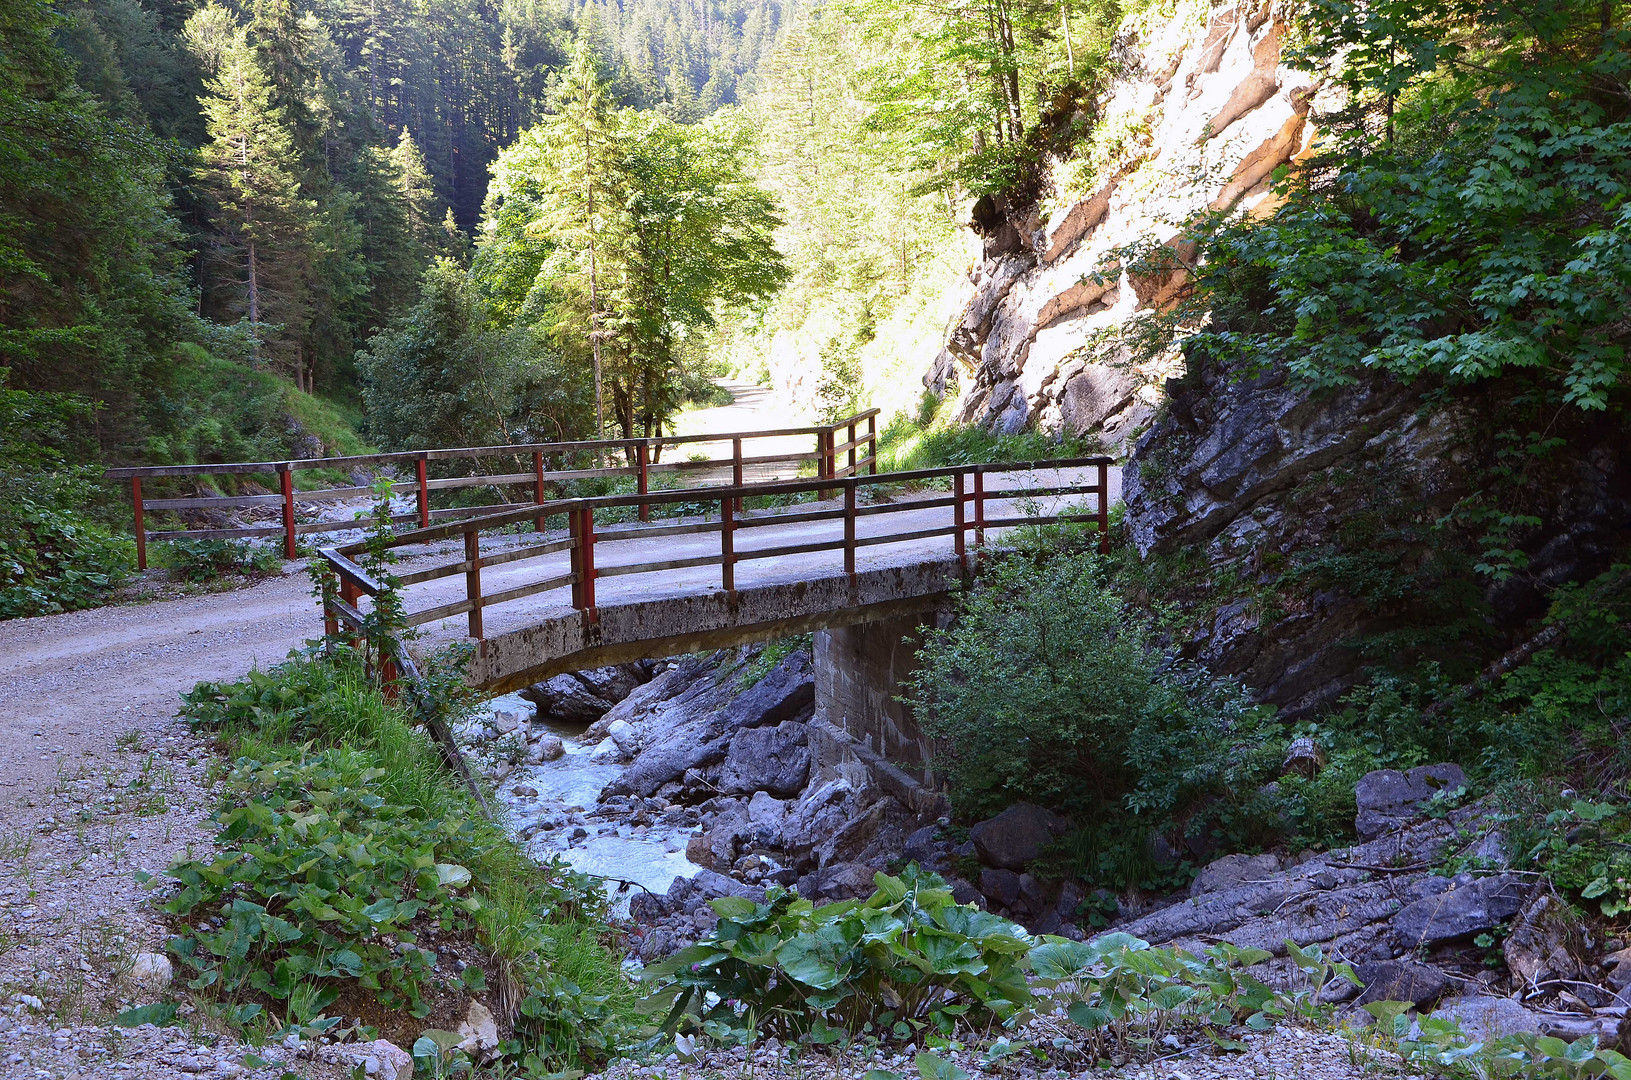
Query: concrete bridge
861, 558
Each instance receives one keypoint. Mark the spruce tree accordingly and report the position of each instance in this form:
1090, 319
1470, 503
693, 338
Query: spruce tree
260, 243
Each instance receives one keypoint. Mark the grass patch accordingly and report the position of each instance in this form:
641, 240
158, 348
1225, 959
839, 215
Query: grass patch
931, 438
358, 887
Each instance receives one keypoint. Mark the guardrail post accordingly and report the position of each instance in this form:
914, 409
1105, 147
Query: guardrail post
644, 463
736, 467
849, 529
1104, 508
851, 470
538, 486
727, 544
583, 560
350, 594
979, 506
959, 526
141, 529
286, 474
472, 580
424, 492
825, 468
872, 442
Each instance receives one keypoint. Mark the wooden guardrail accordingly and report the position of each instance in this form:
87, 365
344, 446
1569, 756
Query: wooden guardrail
641, 459
969, 521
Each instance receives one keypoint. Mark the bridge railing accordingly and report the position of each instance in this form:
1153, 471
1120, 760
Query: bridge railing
969, 500
641, 459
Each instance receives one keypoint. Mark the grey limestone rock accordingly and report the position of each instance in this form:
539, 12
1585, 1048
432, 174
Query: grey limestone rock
1466, 907
1015, 836
1387, 798
770, 759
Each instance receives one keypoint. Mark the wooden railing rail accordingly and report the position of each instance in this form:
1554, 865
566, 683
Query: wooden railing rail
968, 500
641, 460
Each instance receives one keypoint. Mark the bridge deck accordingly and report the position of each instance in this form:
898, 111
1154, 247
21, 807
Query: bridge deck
667, 611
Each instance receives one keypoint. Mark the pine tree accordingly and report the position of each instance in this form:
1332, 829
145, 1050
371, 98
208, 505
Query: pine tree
260, 244
418, 192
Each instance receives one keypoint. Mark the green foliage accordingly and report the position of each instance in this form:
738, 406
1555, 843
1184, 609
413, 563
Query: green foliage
343, 886
207, 560
1126, 994
1051, 689
910, 965
908, 960
1467, 222
967, 84
773, 653
616, 234
932, 438
1440, 1047
348, 856
53, 555
444, 376
1541, 726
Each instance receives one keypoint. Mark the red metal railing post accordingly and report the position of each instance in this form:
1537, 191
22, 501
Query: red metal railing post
538, 486
586, 561
851, 468
141, 528
849, 528
1104, 508
959, 526
736, 467
645, 478
287, 476
872, 442
472, 580
727, 544
575, 553
424, 492
350, 594
979, 506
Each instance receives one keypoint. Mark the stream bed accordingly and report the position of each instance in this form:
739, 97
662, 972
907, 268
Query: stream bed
553, 805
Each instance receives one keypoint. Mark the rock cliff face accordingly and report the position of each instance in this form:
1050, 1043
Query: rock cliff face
1314, 535
1202, 113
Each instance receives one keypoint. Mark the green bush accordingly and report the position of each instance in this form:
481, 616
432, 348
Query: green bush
348, 854
1049, 688
54, 556
911, 965
907, 960
207, 560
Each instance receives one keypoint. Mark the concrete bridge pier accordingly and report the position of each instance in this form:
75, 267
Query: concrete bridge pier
860, 670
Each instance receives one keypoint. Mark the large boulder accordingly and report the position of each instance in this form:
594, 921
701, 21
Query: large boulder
1400, 980
566, 699
1016, 836
770, 759
1232, 870
1466, 907
1387, 798
1484, 1018
781, 695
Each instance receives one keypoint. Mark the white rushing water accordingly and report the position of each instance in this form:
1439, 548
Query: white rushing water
554, 807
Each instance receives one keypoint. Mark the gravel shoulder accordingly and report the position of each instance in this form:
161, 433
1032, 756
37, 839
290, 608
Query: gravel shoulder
98, 780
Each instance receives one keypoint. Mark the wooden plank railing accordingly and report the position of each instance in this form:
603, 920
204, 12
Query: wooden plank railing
968, 499
641, 460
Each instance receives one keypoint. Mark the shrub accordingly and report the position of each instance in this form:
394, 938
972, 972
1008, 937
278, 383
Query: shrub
349, 858
53, 556
908, 959
1049, 688
207, 560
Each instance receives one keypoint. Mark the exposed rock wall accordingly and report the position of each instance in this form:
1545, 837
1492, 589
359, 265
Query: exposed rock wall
1314, 535
1201, 115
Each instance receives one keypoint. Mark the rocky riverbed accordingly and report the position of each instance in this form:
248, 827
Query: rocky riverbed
711, 775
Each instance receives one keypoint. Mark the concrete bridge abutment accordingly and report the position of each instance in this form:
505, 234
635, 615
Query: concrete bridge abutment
860, 673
